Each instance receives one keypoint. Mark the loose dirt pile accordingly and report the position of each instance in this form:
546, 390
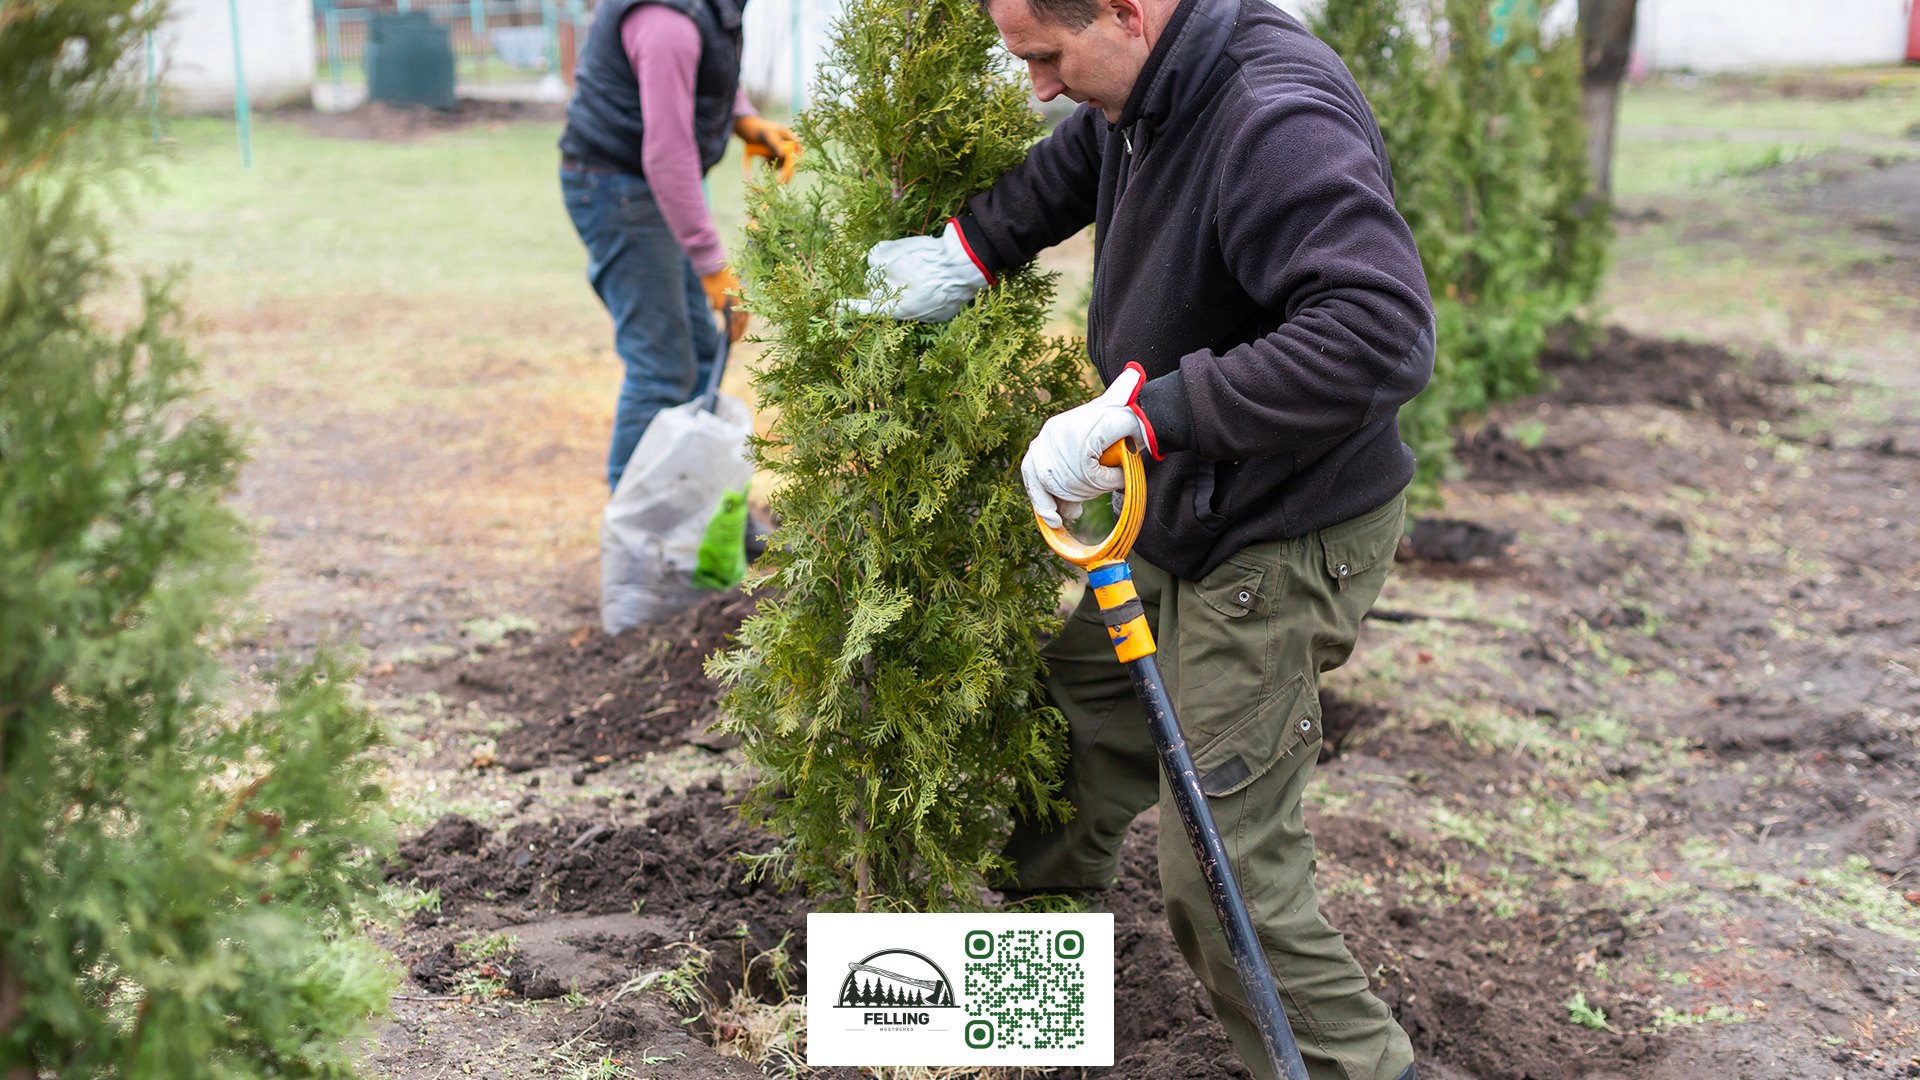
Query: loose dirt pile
584, 696
1548, 444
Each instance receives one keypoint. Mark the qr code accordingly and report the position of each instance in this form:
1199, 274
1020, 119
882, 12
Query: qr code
1026, 989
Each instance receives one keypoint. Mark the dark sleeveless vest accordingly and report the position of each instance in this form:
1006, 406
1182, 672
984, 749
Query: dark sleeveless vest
603, 119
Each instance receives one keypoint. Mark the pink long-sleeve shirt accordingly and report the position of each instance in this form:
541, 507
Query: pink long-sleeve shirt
664, 47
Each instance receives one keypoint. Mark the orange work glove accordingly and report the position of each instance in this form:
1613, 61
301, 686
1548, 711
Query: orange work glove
723, 292
769, 140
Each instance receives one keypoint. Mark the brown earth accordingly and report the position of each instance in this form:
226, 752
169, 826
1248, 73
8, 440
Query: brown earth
590, 698
1784, 743
1642, 725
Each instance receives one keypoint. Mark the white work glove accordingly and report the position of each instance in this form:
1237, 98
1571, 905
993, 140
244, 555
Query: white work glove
1062, 468
921, 278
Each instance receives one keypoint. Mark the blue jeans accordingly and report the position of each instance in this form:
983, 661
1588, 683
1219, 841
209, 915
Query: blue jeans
663, 327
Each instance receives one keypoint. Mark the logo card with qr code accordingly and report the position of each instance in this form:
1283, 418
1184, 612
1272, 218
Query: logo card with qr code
960, 989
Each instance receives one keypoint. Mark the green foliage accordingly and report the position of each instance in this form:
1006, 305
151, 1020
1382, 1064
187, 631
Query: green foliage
887, 690
1489, 159
1586, 1015
178, 873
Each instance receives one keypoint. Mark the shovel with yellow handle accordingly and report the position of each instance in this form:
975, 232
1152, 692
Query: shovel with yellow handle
1126, 619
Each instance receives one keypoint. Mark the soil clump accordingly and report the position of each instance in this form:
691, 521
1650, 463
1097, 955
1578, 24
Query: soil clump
580, 695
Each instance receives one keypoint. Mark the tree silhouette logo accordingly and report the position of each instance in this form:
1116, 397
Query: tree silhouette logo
895, 979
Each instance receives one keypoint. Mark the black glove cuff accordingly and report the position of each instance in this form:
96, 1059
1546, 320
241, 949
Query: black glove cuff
1163, 401
980, 247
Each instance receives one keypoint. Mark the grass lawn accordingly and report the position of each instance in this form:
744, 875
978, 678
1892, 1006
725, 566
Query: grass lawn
1712, 242
1681, 134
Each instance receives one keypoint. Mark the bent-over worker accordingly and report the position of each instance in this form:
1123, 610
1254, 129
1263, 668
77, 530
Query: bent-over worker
1259, 316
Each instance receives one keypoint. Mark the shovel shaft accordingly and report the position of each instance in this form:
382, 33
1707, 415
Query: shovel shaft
710, 394
1249, 959
1125, 616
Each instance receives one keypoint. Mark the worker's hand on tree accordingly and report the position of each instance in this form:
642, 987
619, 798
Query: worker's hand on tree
724, 288
921, 278
764, 138
1062, 468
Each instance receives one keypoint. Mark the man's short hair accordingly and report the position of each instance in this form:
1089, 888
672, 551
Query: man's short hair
1072, 14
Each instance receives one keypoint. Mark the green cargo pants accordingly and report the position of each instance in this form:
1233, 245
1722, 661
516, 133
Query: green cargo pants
1241, 650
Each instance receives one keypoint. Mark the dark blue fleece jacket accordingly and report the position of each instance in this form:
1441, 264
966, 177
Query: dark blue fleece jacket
1248, 255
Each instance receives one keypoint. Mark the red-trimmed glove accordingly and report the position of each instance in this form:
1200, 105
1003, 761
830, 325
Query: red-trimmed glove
922, 278
1062, 468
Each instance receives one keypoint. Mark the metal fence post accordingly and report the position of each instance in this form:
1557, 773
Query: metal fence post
477, 18
332, 17
798, 99
242, 113
550, 21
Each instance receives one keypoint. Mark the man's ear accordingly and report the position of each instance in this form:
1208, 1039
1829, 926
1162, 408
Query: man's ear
1131, 15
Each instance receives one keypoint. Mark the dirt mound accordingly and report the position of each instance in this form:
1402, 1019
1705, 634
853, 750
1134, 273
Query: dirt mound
381, 121
678, 861
1493, 455
581, 694
1341, 720
1625, 369
1621, 369
676, 874
1448, 540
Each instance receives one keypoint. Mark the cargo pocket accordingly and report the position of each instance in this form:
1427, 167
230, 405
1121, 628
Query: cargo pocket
1352, 548
1226, 642
1272, 731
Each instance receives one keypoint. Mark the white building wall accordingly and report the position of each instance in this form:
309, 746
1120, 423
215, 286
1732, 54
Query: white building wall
195, 53
1761, 35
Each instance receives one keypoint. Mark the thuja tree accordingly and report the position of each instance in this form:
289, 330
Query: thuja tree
178, 870
1482, 121
887, 687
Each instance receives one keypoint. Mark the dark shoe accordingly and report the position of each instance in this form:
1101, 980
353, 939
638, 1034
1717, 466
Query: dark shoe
1410, 1074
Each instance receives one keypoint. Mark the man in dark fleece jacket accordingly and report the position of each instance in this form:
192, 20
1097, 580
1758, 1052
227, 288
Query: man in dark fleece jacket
1259, 315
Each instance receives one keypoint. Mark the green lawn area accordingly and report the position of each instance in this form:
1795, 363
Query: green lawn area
1888, 102
1679, 135
473, 213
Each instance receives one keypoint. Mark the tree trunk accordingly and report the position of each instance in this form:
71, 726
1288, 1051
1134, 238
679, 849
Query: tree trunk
1600, 106
1606, 45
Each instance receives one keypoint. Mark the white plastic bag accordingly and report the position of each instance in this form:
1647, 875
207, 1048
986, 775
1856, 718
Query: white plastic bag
650, 532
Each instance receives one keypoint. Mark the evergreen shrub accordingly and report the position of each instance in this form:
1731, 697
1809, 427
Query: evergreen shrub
887, 688
179, 865
1481, 117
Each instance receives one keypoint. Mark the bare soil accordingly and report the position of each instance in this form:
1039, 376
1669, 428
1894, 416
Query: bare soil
1793, 744
590, 698
1639, 720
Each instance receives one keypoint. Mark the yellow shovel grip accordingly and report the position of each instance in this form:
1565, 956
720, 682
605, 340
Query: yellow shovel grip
1133, 510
